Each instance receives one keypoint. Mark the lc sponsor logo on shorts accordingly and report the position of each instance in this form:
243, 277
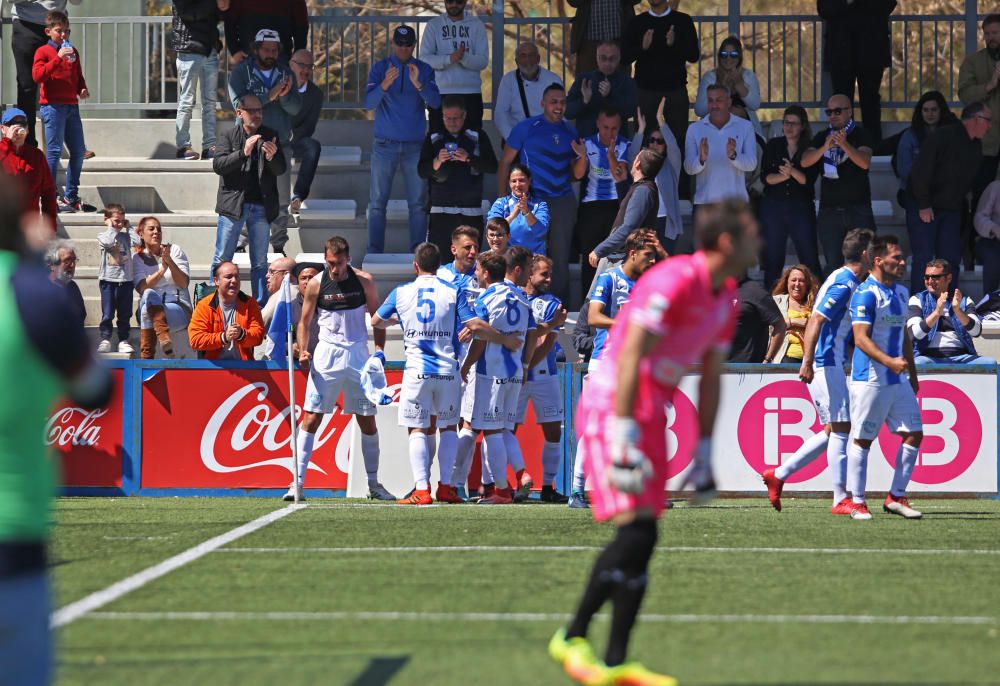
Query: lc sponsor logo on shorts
504, 382
441, 377
953, 434
774, 423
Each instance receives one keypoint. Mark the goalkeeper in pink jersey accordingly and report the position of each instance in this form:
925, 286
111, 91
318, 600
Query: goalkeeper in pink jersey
680, 313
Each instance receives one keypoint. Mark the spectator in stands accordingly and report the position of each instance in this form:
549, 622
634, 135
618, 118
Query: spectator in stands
519, 95
303, 273
760, 327
274, 86
595, 22
245, 19
661, 42
930, 113
27, 35
940, 180
276, 272
845, 196
248, 162
28, 165
605, 170
857, 49
195, 39
720, 150
606, 87
787, 209
398, 89
454, 162
162, 274
455, 45
58, 71
305, 148
987, 223
61, 259
497, 235
226, 325
943, 323
669, 224
794, 294
526, 215
114, 278
729, 72
979, 81
548, 146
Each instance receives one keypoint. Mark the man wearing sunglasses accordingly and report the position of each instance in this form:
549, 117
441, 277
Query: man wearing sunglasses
845, 194
455, 46
943, 326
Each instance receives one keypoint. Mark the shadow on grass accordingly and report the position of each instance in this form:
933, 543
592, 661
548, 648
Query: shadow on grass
380, 671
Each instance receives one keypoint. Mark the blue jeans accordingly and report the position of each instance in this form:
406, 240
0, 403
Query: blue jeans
228, 233
941, 237
192, 69
306, 151
62, 125
25, 637
954, 359
116, 301
387, 155
178, 317
781, 219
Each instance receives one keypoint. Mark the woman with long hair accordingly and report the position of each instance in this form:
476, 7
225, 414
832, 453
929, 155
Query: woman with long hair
729, 72
786, 208
795, 294
527, 216
162, 275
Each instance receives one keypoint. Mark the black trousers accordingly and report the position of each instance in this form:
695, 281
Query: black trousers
440, 226
869, 82
473, 113
593, 225
26, 38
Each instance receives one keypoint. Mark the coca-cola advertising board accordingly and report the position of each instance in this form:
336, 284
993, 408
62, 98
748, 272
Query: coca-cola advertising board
89, 443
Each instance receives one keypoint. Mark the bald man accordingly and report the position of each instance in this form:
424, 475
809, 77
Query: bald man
845, 195
529, 78
276, 272
305, 148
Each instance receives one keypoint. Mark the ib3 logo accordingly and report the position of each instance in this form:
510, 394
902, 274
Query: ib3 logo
778, 419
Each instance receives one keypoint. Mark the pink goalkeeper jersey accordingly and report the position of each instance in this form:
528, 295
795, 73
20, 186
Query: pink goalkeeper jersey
673, 300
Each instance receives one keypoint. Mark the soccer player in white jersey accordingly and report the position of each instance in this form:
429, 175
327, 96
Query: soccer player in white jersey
431, 312
491, 406
340, 296
611, 291
825, 345
880, 394
542, 387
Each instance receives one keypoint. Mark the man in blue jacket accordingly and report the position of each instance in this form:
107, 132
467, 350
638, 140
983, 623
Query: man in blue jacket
399, 87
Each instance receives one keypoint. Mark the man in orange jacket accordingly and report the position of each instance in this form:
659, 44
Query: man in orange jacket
226, 325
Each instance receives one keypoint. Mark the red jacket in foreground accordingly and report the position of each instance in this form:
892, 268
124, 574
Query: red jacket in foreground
29, 167
60, 81
207, 325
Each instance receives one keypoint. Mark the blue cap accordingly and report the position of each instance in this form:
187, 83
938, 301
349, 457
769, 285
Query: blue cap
404, 35
11, 113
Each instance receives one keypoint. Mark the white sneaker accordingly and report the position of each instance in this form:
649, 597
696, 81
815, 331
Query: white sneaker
289, 497
104, 347
377, 491
901, 507
125, 347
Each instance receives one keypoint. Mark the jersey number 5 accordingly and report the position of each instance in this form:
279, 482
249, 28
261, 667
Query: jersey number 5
424, 316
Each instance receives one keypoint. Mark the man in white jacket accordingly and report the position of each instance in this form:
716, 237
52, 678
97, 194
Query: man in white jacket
520, 93
455, 45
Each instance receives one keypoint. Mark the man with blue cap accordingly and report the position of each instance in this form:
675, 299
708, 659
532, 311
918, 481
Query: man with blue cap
28, 164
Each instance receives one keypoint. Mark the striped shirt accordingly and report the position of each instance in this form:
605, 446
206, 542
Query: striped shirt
506, 308
600, 184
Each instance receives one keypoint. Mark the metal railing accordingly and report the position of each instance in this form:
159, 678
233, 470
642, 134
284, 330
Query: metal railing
130, 66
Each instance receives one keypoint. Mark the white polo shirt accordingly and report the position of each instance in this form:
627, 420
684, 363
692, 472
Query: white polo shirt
720, 178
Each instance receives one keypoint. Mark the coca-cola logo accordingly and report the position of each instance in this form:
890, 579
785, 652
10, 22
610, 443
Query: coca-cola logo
74, 426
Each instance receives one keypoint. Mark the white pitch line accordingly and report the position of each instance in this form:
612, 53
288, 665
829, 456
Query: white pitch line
540, 617
73, 611
589, 548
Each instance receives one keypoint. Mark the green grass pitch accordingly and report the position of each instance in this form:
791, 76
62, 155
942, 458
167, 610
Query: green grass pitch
723, 608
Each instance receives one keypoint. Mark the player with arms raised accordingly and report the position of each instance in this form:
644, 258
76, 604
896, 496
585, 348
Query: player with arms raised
680, 314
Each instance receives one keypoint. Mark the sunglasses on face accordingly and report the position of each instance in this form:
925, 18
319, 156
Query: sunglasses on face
934, 277
830, 111
729, 53
657, 141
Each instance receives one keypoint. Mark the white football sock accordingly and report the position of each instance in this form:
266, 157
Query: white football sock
551, 453
514, 455
807, 452
446, 456
304, 443
370, 453
857, 471
906, 460
485, 472
496, 458
836, 459
463, 458
579, 477
420, 460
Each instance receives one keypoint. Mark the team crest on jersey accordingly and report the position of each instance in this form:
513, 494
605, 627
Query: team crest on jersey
830, 302
555, 138
861, 310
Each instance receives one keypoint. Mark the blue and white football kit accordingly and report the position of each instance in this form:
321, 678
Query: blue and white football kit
543, 388
829, 386
613, 288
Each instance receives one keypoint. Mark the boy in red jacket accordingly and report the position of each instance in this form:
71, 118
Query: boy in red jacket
58, 72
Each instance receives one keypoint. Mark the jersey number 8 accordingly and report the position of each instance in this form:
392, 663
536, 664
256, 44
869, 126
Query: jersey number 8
513, 311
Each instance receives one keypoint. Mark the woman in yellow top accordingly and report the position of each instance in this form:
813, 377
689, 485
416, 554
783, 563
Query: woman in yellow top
794, 294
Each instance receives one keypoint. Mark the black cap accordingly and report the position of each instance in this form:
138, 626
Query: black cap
297, 269
404, 35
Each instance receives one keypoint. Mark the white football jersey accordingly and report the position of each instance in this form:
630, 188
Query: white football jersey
506, 308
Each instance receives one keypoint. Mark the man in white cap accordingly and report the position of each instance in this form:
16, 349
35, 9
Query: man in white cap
274, 84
